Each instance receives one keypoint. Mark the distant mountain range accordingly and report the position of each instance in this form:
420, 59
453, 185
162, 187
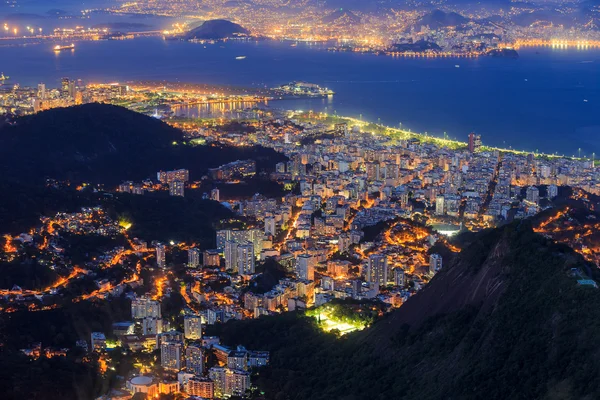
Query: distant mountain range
374, 5
217, 29
504, 319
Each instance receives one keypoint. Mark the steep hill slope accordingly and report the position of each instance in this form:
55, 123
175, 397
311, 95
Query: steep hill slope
341, 16
438, 19
79, 142
217, 29
505, 320
107, 144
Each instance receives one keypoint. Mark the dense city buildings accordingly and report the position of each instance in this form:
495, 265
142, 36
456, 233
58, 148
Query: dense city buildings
171, 355
180, 175
450, 30
144, 307
341, 222
233, 170
361, 221
474, 142
201, 387
192, 327
194, 360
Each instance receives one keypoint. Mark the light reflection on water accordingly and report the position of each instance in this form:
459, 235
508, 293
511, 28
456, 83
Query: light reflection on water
238, 109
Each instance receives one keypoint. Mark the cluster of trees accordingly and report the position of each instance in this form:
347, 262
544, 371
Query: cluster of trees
271, 273
57, 378
29, 274
101, 143
163, 217
72, 377
22, 204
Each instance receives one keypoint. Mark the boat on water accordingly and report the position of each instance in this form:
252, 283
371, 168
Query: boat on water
58, 47
240, 57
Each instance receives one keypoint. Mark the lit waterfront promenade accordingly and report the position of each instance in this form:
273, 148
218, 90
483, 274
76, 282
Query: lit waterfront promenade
397, 133
556, 43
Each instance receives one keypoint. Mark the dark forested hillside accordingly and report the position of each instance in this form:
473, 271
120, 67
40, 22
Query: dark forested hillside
153, 216
107, 144
217, 29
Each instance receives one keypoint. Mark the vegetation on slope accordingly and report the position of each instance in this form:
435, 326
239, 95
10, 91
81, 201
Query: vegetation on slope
101, 143
217, 29
153, 216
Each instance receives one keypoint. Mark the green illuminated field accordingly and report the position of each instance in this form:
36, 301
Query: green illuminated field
343, 317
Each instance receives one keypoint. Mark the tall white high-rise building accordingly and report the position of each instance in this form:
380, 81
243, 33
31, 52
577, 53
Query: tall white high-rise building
161, 255
229, 382
305, 267
545, 171
254, 235
217, 375
270, 226
192, 325
41, 92
152, 326
344, 242
193, 258
194, 359
245, 258
236, 382
399, 277
435, 263
439, 205
171, 355
231, 253
145, 307
533, 195
202, 387
378, 270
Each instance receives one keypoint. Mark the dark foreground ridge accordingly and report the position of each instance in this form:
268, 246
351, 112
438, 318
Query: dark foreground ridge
507, 319
100, 143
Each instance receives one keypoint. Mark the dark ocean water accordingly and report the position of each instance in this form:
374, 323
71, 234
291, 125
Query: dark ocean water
547, 99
